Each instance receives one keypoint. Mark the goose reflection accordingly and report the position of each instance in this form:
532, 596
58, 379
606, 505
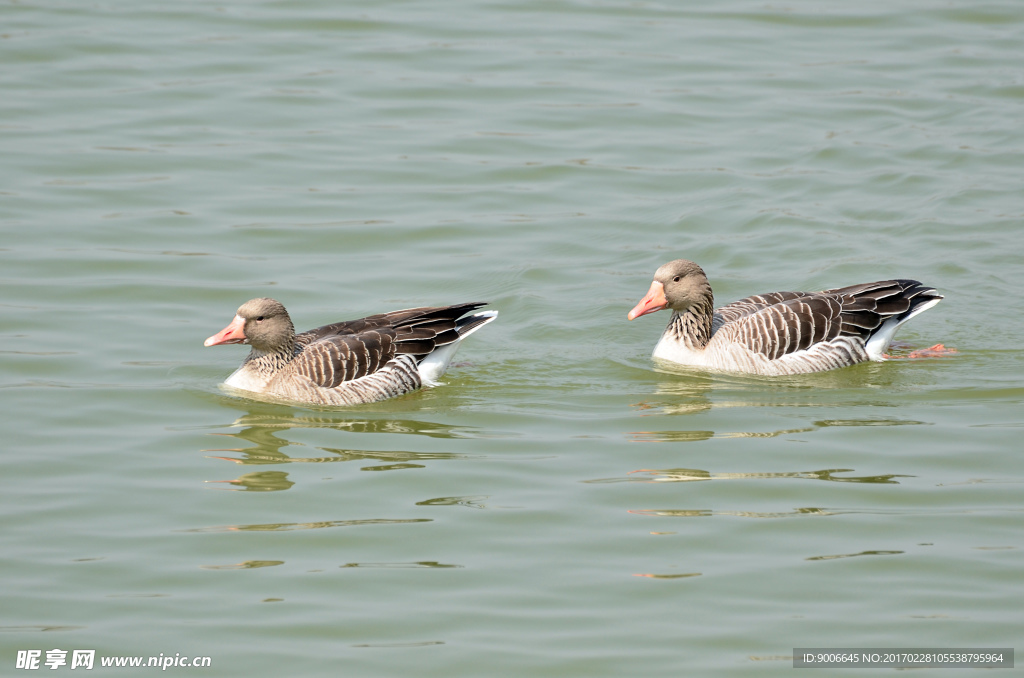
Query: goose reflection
689, 475
708, 513
680, 396
264, 432
265, 481
688, 390
693, 436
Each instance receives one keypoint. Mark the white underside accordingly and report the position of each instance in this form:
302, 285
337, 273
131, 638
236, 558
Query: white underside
245, 380
737, 358
718, 357
880, 340
433, 367
673, 351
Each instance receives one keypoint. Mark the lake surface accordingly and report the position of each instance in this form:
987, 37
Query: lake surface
561, 506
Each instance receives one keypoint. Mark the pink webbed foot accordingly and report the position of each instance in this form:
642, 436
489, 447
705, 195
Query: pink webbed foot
936, 351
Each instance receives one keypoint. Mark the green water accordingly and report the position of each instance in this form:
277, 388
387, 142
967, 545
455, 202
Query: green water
162, 163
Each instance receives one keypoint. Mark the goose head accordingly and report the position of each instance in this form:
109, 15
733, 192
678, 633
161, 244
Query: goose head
677, 285
262, 323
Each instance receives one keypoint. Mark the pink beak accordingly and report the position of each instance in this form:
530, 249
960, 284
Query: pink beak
232, 334
654, 301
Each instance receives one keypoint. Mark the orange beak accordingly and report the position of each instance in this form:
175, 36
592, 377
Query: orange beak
654, 301
232, 334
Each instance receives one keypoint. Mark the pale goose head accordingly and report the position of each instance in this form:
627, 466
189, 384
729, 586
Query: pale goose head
262, 323
677, 285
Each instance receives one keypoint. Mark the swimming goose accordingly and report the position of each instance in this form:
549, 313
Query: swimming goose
780, 332
349, 362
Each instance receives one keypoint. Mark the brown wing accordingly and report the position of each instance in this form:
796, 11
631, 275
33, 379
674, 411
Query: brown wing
333, 360
788, 326
753, 304
394, 319
340, 352
798, 320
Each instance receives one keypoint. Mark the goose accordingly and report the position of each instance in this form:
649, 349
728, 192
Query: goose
780, 332
349, 362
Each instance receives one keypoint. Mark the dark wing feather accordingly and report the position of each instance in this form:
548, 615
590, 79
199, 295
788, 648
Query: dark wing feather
340, 352
866, 307
393, 319
345, 327
430, 328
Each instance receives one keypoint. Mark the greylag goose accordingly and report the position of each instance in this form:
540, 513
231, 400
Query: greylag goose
349, 362
780, 332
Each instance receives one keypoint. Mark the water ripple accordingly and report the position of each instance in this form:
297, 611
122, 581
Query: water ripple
684, 475
286, 527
